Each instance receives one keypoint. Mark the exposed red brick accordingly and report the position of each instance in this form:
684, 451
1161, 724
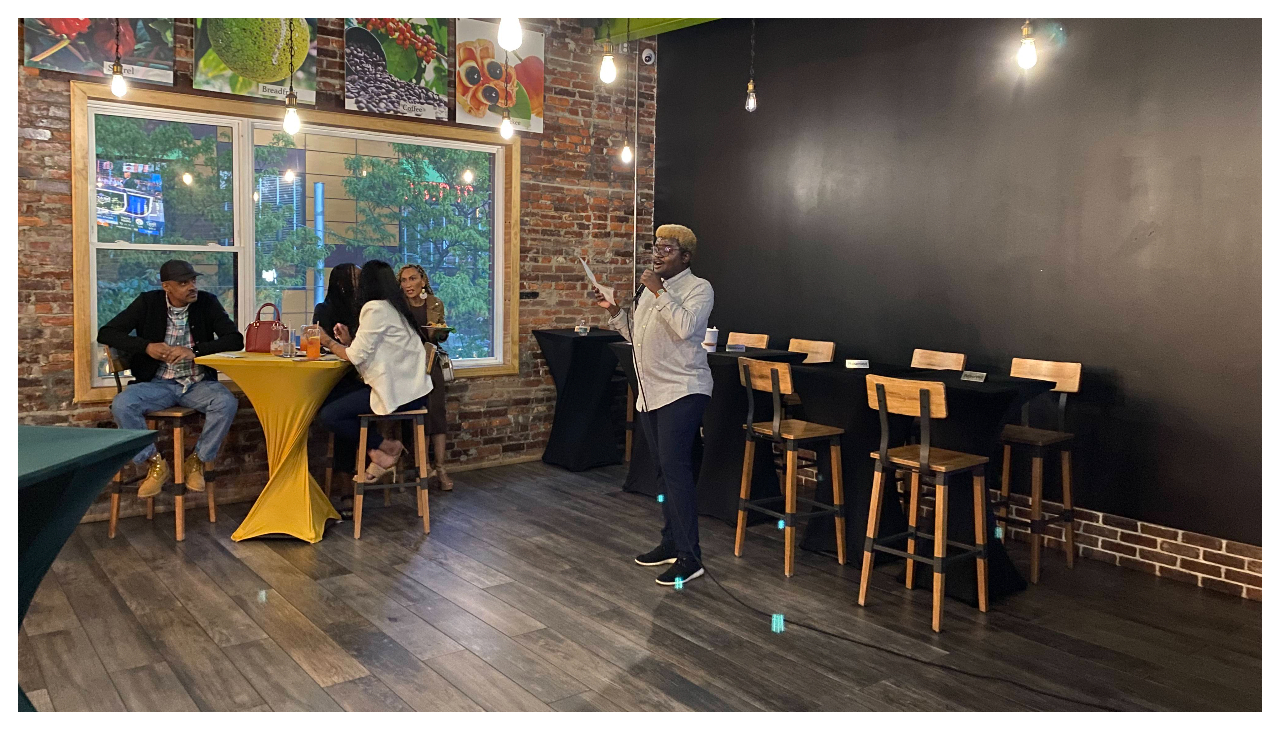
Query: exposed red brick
1177, 548
1135, 539
1123, 523
1092, 529
1157, 531
1196, 566
1239, 576
1254, 566
1248, 551
1156, 556
1118, 547
1231, 561
1253, 594
1204, 541
1222, 586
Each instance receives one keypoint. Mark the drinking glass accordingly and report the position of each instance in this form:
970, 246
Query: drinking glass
313, 343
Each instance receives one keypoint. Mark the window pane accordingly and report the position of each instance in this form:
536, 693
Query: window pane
123, 274
323, 200
162, 182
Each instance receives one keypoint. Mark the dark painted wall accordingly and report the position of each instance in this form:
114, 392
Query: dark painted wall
904, 184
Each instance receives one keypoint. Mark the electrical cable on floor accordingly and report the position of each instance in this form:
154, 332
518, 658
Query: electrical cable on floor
777, 623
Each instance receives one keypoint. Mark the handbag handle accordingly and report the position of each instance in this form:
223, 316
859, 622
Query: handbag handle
258, 316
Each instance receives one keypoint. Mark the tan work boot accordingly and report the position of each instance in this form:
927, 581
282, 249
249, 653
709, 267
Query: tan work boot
158, 473
193, 471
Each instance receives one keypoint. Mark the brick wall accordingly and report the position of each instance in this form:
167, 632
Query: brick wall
575, 200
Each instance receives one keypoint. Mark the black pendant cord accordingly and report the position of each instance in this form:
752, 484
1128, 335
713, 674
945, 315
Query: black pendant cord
751, 73
290, 22
117, 41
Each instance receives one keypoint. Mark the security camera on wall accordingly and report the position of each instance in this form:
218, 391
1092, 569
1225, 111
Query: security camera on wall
648, 55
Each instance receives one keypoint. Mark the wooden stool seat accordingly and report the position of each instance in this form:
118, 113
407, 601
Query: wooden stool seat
775, 378
1033, 436
793, 430
940, 460
419, 418
1065, 377
928, 466
398, 415
176, 412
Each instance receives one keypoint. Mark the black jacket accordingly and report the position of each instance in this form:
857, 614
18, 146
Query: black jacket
148, 316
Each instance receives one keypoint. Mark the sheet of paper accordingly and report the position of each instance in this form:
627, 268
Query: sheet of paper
606, 291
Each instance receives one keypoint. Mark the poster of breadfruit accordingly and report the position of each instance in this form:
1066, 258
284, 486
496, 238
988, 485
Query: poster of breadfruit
398, 66
250, 57
491, 80
87, 46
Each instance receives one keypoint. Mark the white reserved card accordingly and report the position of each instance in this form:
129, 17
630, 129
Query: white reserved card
972, 376
852, 364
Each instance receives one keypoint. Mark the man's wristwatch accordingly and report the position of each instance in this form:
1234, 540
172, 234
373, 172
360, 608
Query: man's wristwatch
661, 290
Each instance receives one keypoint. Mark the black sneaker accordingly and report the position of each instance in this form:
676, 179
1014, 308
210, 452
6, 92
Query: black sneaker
661, 555
684, 570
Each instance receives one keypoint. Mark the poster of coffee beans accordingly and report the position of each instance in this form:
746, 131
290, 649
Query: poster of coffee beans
491, 80
256, 57
398, 66
88, 46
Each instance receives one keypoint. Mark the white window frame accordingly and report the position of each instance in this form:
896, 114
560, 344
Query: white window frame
243, 234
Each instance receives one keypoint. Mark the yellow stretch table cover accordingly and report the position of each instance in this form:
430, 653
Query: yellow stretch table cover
286, 395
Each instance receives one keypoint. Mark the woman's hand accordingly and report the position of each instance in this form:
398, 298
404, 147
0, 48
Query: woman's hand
344, 335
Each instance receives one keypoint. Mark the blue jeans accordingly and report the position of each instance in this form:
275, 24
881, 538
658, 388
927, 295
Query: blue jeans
670, 431
209, 397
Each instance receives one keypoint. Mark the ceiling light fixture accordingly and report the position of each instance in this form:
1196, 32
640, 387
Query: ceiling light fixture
1027, 53
751, 74
608, 71
626, 155
510, 34
291, 121
118, 85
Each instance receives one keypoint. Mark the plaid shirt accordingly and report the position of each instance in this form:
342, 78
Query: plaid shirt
178, 334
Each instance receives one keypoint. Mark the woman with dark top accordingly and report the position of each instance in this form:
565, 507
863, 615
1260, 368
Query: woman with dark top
340, 307
388, 353
429, 310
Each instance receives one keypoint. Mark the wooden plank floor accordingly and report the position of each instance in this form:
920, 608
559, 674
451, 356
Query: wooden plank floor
525, 597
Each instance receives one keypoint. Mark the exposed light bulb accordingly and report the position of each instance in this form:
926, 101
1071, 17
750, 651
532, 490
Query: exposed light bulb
186, 178
608, 71
292, 123
288, 175
507, 129
468, 176
510, 34
626, 153
118, 85
1027, 53
751, 95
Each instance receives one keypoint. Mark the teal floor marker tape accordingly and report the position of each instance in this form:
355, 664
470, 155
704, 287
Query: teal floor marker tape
679, 583
662, 498
779, 623
782, 524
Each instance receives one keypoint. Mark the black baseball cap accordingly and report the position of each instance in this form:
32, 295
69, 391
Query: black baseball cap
177, 270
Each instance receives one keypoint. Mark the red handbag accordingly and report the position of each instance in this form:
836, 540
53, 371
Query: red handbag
261, 332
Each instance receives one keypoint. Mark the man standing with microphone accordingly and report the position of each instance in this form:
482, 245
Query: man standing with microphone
665, 326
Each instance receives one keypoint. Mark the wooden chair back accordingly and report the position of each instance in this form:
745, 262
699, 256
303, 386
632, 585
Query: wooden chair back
749, 340
935, 360
771, 377
1064, 375
817, 351
115, 366
921, 398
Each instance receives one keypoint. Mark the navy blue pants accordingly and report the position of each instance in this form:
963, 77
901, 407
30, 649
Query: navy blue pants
670, 431
341, 414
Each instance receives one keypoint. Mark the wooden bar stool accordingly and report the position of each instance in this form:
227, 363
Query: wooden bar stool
1066, 379
935, 360
928, 466
419, 419
817, 351
775, 377
176, 418
748, 340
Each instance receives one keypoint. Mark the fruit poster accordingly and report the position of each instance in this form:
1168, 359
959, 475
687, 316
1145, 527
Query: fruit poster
491, 80
87, 46
250, 57
398, 66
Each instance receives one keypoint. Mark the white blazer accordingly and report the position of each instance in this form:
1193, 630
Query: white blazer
390, 358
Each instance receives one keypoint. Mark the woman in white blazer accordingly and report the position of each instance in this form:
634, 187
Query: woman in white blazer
387, 351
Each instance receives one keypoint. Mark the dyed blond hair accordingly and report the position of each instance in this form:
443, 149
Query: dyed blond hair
682, 235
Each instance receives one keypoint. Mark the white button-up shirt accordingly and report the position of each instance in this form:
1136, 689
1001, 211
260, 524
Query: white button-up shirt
667, 339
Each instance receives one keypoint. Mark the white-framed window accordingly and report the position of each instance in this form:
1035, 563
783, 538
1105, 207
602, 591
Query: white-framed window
265, 216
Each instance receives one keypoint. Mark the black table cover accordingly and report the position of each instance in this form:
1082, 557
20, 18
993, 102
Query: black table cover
582, 430
976, 414
60, 472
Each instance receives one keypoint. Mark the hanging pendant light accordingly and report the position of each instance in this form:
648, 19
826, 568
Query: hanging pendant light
751, 74
510, 34
608, 71
626, 155
1027, 53
291, 121
118, 85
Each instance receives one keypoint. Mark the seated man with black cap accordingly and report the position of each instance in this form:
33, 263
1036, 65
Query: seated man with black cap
159, 336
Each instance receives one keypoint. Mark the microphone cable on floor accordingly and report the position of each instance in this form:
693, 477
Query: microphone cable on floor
779, 624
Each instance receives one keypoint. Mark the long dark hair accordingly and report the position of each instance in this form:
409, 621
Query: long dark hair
340, 297
378, 282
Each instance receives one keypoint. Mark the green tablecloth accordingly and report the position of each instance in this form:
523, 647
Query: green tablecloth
60, 472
